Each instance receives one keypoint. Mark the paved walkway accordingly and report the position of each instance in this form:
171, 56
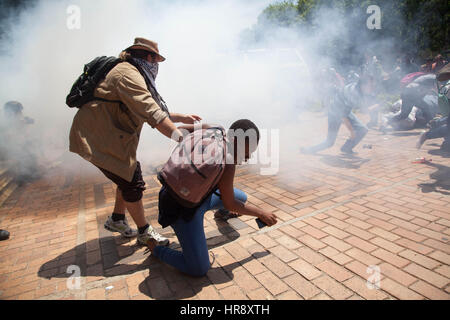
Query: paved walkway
337, 217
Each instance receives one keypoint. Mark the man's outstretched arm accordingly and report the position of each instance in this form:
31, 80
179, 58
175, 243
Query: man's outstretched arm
168, 128
230, 203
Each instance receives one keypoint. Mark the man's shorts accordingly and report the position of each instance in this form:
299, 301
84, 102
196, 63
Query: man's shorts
131, 191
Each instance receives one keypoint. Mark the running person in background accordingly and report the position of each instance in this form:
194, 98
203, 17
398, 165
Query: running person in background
340, 109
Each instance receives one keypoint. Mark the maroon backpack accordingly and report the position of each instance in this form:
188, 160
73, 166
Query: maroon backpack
195, 166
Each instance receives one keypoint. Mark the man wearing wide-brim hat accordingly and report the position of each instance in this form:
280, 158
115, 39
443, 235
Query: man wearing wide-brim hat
106, 132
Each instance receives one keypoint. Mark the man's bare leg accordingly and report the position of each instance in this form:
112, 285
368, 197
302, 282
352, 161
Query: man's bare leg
119, 205
118, 223
136, 210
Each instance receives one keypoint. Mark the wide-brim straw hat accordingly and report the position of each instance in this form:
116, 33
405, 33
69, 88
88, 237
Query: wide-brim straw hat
145, 44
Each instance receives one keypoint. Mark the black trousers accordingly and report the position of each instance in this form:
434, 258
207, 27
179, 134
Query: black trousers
131, 191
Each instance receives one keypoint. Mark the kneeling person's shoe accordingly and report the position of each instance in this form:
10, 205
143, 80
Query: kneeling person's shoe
120, 226
151, 234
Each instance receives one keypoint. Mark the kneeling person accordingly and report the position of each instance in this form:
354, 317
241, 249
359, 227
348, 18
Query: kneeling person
186, 219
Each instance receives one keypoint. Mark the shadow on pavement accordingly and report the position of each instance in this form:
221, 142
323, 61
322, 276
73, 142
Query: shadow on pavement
108, 256
442, 180
343, 161
405, 133
439, 152
155, 289
114, 256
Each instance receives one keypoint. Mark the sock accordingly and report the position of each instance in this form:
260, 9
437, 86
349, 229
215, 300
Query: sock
142, 229
117, 217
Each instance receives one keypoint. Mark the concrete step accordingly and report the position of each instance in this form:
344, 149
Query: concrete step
7, 183
7, 191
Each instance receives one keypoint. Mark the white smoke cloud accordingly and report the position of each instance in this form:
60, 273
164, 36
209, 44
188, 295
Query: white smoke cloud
207, 71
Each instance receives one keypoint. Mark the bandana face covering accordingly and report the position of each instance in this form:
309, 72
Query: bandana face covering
149, 70
153, 69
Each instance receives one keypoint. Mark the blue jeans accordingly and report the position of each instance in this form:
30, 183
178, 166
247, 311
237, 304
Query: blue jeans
194, 257
334, 123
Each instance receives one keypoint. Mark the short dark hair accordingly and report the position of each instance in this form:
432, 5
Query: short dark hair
245, 125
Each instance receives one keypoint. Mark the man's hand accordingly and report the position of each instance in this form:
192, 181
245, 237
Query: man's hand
184, 118
151, 245
269, 218
190, 118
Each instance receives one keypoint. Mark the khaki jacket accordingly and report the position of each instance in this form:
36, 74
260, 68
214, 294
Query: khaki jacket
107, 133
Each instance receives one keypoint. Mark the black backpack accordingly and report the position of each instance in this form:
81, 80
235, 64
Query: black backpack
83, 89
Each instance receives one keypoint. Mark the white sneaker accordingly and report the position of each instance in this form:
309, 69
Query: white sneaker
149, 234
120, 226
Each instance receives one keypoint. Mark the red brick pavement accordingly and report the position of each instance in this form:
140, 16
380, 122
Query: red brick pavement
337, 217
